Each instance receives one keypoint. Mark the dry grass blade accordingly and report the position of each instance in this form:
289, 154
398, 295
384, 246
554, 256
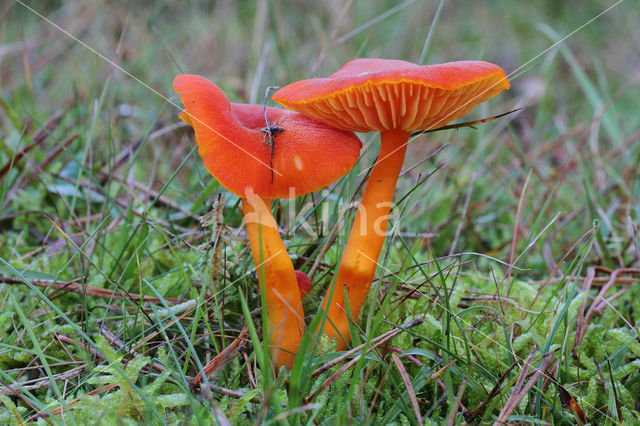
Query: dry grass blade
220, 417
615, 392
17, 388
38, 138
88, 290
50, 157
165, 325
229, 392
557, 267
596, 282
463, 215
115, 341
568, 403
380, 340
356, 31
376, 340
586, 286
599, 302
425, 158
438, 373
60, 409
222, 359
333, 378
516, 228
128, 152
407, 383
154, 195
465, 124
520, 389
456, 404
471, 415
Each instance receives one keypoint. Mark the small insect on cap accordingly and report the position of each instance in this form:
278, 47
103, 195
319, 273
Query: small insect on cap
232, 141
381, 94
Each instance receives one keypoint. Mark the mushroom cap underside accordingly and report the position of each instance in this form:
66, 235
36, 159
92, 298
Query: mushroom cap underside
380, 94
306, 155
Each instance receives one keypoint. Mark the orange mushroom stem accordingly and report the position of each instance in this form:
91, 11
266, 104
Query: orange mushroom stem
359, 259
278, 281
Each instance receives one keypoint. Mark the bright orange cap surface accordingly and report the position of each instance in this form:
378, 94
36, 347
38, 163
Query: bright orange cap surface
308, 155
382, 94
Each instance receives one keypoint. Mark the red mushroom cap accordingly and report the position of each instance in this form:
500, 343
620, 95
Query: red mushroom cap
307, 155
304, 283
381, 94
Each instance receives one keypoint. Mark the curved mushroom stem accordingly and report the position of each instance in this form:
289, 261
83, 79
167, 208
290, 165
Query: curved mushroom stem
359, 260
285, 318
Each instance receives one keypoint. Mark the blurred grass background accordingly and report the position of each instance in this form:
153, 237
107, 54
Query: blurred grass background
110, 194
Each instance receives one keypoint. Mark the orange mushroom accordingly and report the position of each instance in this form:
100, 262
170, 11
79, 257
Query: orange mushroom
392, 97
304, 156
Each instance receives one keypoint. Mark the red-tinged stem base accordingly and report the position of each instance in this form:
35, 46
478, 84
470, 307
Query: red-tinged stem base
285, 318
359, 260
